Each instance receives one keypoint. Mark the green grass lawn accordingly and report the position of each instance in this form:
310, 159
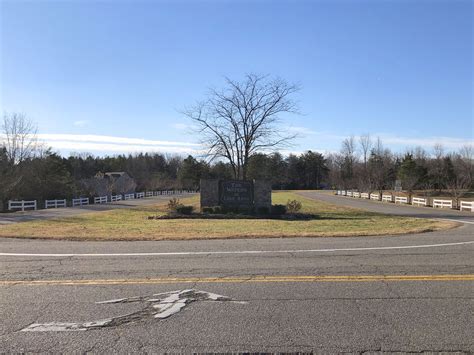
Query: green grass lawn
133, 224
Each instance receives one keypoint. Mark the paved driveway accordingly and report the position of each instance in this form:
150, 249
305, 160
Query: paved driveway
29, 215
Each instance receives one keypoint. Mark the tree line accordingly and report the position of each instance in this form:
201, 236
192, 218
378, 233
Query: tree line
364, 164
29, 170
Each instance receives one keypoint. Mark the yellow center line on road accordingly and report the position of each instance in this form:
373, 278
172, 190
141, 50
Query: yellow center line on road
241, 279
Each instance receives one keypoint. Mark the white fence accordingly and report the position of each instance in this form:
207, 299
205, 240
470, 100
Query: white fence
140, 195
149, 194
55, 203
343, 193
100, 199
128, 196
356, 194
349, 193
399, 199
115, 198
364, 195
466, 205
81, 201
375, 197
387, 198
442, 203
21, 205
419, 201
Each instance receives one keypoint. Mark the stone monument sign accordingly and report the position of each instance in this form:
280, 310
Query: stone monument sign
236, 193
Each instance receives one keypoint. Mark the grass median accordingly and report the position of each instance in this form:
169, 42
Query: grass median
133, 224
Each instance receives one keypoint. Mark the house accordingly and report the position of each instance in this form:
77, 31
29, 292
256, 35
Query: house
109, 183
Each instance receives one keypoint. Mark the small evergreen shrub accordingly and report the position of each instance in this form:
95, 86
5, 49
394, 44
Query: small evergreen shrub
184, 209
263, 210
278, 210
207, 210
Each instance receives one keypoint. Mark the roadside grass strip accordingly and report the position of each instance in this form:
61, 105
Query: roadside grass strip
134, 224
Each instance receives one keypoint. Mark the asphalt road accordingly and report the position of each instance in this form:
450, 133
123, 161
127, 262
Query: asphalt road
411, 293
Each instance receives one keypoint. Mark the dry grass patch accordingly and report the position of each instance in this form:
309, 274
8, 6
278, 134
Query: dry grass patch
133, 224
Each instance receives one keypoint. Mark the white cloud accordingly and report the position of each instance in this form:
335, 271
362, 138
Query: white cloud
81, 123
112, 144
425, 142
92, 138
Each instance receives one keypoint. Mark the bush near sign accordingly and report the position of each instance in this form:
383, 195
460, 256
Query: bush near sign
234, 193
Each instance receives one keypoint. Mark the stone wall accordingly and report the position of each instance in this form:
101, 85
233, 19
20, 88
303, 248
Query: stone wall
262, 193
209, 193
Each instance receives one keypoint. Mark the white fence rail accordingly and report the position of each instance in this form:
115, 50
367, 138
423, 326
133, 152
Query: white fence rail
21, 205
417, 201
343, 193
115, 198
466, 205
400, 199
356, 194
364, 195
128, 196
140, 195
149, 194
81, 201
442, 204
387, 198
100, 199
349, 193
375, 197
55, 203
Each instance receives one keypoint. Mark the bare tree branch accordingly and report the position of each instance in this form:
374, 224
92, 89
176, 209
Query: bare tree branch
242, 119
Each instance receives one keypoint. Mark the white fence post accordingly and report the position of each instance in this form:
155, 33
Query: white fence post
100, 199
54, 203
442, 204
466, 205
400, 199
21, 205
375, 196
81, 201
115, 198
417, 201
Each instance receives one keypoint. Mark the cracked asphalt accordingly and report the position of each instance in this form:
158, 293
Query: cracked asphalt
288, 315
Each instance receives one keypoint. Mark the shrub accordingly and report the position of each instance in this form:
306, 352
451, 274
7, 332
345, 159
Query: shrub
293, 206
184, 209
217, 210
207, 210
263, 210
278, 210
173, 204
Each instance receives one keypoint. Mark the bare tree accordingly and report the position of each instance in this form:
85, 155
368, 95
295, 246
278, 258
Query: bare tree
19, 137
366, 145
243, 118
466, 160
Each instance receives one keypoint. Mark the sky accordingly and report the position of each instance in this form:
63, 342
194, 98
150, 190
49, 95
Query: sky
110, 77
